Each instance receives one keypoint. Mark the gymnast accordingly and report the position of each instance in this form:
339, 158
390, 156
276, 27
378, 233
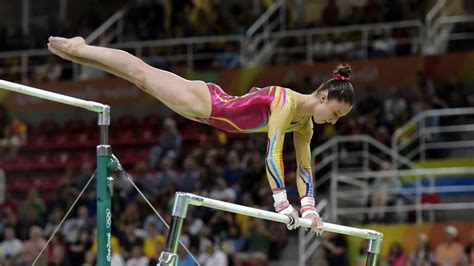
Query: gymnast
272, 109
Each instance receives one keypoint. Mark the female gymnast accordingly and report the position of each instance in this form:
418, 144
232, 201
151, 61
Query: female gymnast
273, 109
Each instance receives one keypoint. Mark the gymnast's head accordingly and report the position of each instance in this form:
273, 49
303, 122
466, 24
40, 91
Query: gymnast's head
334, 97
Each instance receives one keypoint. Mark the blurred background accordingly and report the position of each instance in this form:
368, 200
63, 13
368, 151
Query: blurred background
401, 162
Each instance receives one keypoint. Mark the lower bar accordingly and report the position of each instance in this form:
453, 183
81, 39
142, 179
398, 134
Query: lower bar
276, 217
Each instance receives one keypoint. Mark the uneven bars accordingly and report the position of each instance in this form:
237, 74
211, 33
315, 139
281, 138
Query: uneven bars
180, 207
52, 96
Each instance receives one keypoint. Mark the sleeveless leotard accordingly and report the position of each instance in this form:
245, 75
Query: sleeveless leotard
252, 113
247, 113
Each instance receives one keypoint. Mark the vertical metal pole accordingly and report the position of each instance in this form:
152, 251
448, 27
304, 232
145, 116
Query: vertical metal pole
333, 189
423, 140
180, 208
62, 10
120, 30
282, 15
418, 189
301, 247
309, 49
373, 250
104, 193
366, 154
189, 56
24, 68
25, 17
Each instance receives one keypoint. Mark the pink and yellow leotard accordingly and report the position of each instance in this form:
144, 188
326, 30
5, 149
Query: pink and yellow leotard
270, 109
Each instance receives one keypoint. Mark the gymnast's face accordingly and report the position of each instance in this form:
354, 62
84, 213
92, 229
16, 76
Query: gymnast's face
329, 111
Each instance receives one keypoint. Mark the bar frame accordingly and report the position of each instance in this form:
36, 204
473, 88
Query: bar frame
105, 162
183, 200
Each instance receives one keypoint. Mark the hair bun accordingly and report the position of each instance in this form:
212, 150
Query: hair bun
344, 70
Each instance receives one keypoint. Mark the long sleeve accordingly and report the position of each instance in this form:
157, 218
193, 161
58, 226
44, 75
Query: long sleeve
302, 140
282, 111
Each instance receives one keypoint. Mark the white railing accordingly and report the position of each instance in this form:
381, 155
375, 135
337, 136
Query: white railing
356, 186
453, 34
423, 133
437, 32
190, 51
185, 52
335, 150
273, 20
303, 42
111, 29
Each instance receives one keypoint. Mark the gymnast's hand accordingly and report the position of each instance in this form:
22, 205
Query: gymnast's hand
66, 48
316, 222
295, 219
282, 205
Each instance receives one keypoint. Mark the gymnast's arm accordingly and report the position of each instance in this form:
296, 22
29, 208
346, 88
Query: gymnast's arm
304, 181
282, 110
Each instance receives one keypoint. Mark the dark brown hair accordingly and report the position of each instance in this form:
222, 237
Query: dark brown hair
339, 87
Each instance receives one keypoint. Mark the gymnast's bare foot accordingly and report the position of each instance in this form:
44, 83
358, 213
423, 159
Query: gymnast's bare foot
64, 47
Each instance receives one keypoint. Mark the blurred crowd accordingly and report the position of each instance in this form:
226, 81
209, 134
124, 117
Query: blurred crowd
159, 19
222, 166
148, 20
145, 20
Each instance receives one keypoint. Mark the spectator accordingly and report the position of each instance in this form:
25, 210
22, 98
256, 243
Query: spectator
57, 251
211, 254
77, 251
278, 240
470, 249
32, 247
384, 45
128, 240
185, 259
395, 256
450, 252
51, 71
10, 247
383, 191
4, 119
168, 143
54, 218
330, 14
233, 172
234, 241
258, 245
85, 173
16, 135
32, 210
222, 192
335, 246
166, 178
137, 258
422, 255
153, 243
73, 226
9, 204
191, 171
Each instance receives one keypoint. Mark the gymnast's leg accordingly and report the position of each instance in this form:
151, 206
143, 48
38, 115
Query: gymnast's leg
186, 97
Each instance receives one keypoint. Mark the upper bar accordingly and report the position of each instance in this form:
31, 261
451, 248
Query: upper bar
52, 96
276, 217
